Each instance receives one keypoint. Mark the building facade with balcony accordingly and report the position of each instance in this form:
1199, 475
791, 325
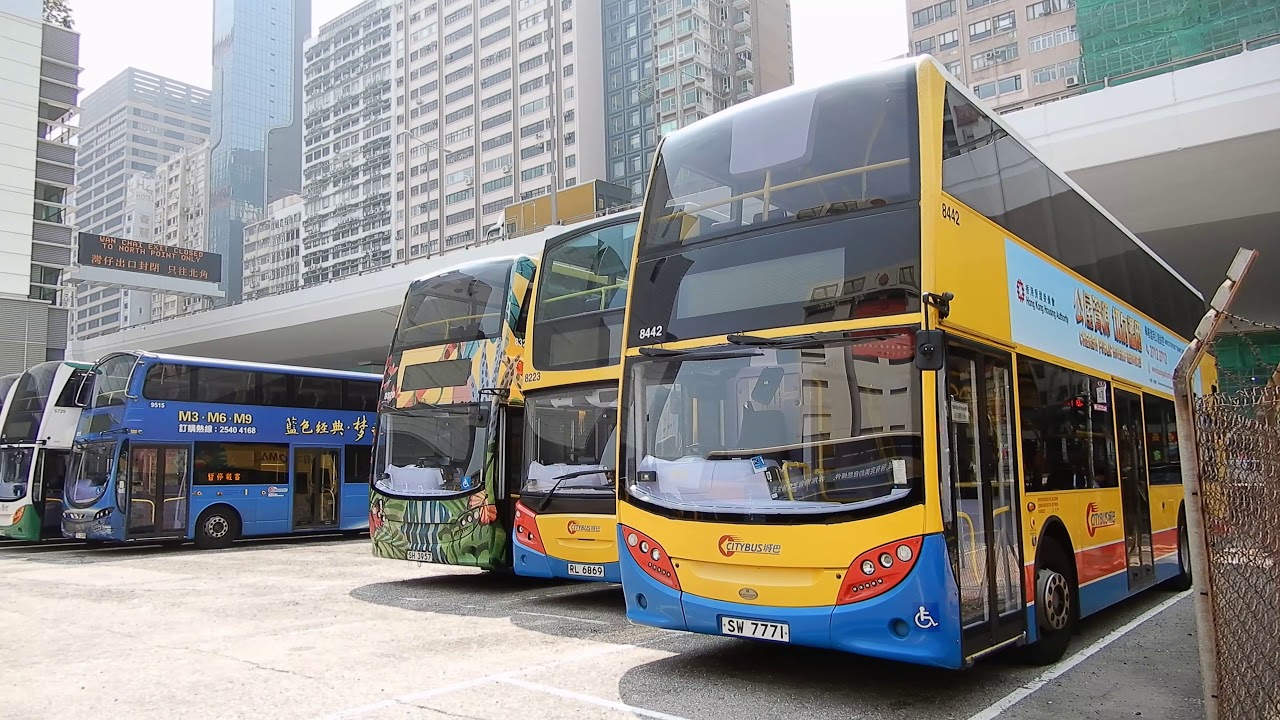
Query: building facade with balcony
496, 101
669, 63
130, 126
1011, 53
273, 249
181, 192
39, 74
347, 98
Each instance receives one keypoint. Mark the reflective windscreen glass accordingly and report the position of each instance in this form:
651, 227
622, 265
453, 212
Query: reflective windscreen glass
791, 155
22, 422
90, 472
761, 430
461, 305
582, 294
15, 470
431, 451
567, 433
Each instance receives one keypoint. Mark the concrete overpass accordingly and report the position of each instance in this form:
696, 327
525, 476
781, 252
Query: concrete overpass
1188, 160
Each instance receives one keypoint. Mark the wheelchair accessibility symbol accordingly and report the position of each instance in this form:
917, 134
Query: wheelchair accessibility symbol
924, 619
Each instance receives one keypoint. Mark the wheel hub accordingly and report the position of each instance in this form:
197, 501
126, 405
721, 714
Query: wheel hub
215, 527
1054, 600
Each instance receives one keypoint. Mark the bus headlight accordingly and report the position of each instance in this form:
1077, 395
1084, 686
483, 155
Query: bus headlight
102, 513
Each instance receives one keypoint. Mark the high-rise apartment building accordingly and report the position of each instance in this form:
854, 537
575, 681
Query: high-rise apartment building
670, 63
39, 71
133, 123
181, 219
347, 95
502, 100
1009, 52
256, 141
272, 250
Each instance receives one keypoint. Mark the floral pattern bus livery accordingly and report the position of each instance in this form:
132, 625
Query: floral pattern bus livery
454, 367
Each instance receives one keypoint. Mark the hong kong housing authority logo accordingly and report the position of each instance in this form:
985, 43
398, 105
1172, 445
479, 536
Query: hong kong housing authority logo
729, 545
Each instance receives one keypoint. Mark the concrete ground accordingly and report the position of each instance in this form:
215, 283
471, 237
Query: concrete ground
318, 628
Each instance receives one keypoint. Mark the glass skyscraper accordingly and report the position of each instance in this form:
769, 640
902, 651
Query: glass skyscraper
256, 137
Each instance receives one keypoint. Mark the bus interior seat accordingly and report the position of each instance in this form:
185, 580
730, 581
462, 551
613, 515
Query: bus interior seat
762, 429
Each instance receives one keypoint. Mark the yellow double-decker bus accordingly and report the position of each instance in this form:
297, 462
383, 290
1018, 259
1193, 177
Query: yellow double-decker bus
565, 524
892, 385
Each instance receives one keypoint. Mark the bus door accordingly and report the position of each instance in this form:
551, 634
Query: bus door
1135, 497
157, 490
510, 461
51, 477
976, 434
315, 487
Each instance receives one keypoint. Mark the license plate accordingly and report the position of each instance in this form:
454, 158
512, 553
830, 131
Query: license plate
741, 627
79, 535
420, 555
591, 571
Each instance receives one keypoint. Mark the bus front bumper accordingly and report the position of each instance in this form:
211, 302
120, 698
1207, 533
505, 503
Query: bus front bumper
90, 524
914, 622
531, 563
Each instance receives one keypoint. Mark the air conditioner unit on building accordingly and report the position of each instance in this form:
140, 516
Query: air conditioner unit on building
470, 181
506, 169
1073, 81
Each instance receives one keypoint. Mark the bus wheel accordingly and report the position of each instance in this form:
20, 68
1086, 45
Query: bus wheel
1055, 605
1182, 581
218, 527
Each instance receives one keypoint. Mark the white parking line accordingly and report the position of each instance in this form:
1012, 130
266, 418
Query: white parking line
591, 700
466, 684
1063, 666
562, 617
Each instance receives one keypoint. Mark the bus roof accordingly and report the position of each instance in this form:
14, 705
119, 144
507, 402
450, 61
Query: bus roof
245, 365
726, 117
469, 264
553, 232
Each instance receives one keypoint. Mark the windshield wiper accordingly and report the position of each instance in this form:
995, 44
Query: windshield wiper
799, 341
696, 353
569, 476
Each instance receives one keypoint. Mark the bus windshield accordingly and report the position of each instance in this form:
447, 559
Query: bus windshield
15, 468
778, 430
434, 451
456, 306
22, 422
569, 432
792, 155
91, 473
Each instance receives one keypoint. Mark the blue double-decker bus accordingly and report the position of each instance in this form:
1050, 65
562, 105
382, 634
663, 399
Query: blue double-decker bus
183, 448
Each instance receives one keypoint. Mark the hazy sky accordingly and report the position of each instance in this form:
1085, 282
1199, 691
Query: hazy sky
173, 37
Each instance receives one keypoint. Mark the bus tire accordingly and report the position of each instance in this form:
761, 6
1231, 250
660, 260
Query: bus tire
1182, 581
1056, 604
217, 528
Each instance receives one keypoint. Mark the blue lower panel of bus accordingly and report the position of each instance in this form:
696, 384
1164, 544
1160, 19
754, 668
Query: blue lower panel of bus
914, 622
531, 563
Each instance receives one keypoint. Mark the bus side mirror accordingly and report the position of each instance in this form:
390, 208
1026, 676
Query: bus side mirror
931, 350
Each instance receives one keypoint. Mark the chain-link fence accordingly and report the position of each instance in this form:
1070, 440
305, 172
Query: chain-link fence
1237, 431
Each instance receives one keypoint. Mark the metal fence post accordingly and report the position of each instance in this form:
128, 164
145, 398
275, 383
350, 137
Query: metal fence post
1188, 450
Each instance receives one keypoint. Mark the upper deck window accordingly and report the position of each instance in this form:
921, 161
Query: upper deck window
111, 380
581, 298
461, 305
790, 156
22, 422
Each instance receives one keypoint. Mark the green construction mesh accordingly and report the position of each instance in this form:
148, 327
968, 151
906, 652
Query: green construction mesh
1128, 36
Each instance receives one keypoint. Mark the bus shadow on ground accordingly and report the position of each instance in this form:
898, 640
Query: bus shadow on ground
78, 552
555, 607
723, 677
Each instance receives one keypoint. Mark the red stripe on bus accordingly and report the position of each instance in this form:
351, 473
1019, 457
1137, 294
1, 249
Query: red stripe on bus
1165, 542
